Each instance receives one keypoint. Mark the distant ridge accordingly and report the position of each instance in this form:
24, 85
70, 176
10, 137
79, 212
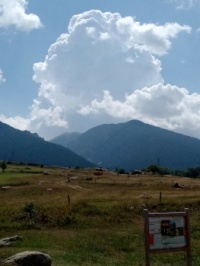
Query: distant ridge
66, 138
135, 145
23, 146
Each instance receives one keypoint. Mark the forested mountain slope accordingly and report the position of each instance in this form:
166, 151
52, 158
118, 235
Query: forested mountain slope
135, 145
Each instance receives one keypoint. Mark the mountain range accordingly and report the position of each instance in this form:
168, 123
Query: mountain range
133, 145
23, 146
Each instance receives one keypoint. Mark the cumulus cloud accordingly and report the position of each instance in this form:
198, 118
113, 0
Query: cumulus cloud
107, 68
161, 105
13, 13
2, 79
101, 55
16, 122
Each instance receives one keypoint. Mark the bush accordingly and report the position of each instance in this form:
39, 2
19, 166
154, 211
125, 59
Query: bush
30, 209
120, 171
3, 166
157, 170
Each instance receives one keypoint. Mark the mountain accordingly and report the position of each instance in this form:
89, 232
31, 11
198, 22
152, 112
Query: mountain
66, 138
135, 145
23, 146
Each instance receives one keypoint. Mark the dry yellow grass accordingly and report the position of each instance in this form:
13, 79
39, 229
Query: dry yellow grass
105, 212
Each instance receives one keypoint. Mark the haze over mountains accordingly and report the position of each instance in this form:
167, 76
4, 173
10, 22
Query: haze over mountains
133, 145
22, 146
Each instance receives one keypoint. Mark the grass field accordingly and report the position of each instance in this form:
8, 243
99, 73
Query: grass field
80, 219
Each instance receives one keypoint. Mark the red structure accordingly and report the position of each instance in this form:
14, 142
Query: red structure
98, 172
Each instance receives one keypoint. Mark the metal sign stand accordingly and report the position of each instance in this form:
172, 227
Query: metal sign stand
162, 233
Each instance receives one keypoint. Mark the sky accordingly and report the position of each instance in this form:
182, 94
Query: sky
68, 66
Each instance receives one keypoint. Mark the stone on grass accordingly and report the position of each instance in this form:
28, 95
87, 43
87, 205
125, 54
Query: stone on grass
29, 258
9, 240
5, 187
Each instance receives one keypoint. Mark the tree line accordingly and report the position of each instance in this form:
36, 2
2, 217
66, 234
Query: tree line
193, 172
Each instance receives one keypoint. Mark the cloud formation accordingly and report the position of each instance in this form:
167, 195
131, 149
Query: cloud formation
16, 122
13, 13
2, 79
100, 52
186, 4
161, 105
107, 68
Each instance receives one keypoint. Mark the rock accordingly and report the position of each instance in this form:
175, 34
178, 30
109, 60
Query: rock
5, 187
29, 258
7, 241
176, 185
46, 173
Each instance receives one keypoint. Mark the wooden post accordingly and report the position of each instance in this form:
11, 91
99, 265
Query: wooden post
146, 231
68, 197
160, 197
187, 220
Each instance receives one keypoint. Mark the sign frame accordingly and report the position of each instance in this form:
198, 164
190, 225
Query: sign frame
185, 247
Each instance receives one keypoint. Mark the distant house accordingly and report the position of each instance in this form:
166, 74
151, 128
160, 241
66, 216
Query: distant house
98, 171
136, 172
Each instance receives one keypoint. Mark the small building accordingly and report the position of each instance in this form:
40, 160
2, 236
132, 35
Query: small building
98, 171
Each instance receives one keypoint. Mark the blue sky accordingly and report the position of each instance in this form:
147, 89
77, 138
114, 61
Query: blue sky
72, 65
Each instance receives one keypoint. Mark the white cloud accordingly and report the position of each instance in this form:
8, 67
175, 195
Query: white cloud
107, 68
161, 105
16, 122
2, 79
40, 120
186, 4
100, 52
151, 37
49, 116
13, 13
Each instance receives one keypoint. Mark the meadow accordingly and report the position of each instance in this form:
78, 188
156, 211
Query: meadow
82, 219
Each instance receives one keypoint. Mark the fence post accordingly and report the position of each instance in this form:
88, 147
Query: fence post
146, 231
189, 256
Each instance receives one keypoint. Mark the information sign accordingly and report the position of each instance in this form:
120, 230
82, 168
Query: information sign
167, 232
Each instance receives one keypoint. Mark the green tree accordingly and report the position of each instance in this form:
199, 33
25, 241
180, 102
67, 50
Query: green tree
193, 172
3, 166
153, 168
120, 171
157, 170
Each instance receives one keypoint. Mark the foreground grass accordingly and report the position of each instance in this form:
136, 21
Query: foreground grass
82, 220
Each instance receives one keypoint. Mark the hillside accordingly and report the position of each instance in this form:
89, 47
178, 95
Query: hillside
23, 146
66, 138
135, 145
